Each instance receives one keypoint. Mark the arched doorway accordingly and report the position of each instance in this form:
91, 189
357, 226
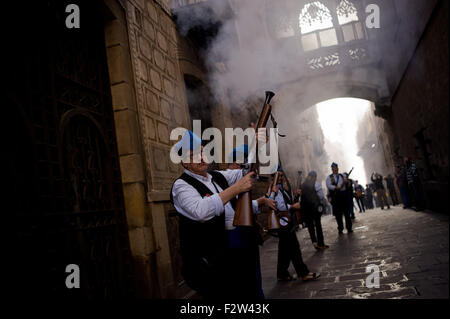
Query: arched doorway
63, 169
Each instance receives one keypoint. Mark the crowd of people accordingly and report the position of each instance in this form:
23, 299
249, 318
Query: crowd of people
382, 192
221, 259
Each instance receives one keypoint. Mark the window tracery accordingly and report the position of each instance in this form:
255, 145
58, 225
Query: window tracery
315, 16
352, 28
346, 12
316, 26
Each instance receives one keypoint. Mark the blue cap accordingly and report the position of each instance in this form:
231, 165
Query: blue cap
240, 152
189, 141
312, 173
334, 164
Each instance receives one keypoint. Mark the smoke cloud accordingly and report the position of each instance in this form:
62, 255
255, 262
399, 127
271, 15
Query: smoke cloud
244, 59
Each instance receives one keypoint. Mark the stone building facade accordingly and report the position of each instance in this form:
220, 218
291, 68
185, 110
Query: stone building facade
414, 122
374, 143
159, 82
418, 115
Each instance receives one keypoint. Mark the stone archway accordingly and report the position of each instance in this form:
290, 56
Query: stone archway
293, 103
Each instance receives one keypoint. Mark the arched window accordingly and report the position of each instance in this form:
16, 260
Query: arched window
352, 28
316, 26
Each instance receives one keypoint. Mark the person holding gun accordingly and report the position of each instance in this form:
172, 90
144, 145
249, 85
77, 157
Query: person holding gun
339, 201
349, 191
288, 245
243, 244
205, 203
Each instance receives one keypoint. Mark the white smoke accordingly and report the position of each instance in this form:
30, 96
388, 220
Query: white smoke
244, 60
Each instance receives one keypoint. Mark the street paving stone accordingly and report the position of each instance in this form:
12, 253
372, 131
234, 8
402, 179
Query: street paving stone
410, 248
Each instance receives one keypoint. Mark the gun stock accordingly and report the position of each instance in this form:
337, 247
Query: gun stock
243, 215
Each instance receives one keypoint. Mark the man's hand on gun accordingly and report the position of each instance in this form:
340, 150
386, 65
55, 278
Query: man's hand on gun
261, 134
245, 184
264, 201
275, 189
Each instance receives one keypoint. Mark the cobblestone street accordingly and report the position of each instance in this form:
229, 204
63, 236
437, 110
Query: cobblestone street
410, 248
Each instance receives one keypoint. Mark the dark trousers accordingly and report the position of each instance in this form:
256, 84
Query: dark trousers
340, 212
243, 265
207, 281
405, 197
289, 250
382, 198
394, 197
369, 202
351, 207
315, 227
416, 195
360, 202
348, 220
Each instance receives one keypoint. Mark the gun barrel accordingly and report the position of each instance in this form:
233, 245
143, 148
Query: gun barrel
244, 215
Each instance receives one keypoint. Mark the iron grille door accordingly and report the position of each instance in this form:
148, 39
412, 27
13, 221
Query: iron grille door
72, 209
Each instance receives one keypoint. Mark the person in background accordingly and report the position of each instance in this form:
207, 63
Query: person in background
414, 185
402, 183
288, 245
349, 191
377, 179
369, 197
359, 195
391, 188
339, 200
376, 198
312, 209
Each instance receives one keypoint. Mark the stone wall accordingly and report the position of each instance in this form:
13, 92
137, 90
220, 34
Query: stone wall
149, 101
162, 106
421, 102
148, 60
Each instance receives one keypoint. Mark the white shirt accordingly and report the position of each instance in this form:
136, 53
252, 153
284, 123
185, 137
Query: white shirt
188, 202
339, 180
281, 205
319, 191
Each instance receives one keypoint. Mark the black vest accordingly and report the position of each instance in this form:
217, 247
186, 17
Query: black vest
202, 244
336, 195
286, 197
310, 199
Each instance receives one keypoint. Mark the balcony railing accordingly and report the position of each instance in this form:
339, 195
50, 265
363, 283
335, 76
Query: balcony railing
345, 55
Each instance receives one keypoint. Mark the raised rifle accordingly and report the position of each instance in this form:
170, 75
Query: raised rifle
243, 213
349, 184
299, 185
348, 175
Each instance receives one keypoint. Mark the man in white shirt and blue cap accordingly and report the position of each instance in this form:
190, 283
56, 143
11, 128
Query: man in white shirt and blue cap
204, 201
336, 188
